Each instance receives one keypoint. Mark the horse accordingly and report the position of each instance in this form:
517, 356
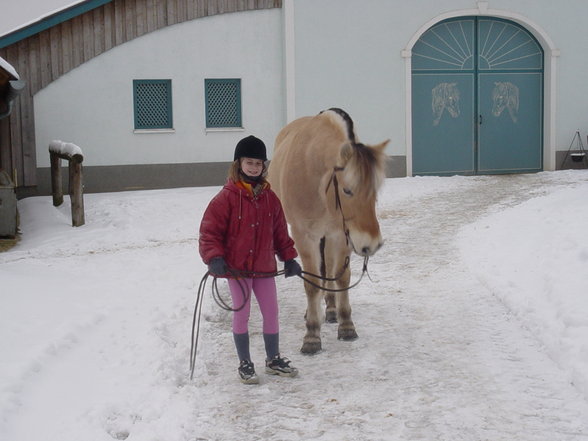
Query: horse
328, 183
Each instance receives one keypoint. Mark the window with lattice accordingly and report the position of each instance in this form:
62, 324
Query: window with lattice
153, 104
223, 102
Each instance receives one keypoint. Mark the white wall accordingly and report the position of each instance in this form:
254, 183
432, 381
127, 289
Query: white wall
92, 106
565, 23
348, 56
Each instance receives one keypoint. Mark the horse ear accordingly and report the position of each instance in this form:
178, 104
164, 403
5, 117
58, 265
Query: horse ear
381, 146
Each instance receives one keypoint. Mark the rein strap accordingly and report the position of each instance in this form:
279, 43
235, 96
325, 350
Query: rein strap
338, 205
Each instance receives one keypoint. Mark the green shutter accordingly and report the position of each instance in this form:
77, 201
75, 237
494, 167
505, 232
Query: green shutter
223, 102
153, 104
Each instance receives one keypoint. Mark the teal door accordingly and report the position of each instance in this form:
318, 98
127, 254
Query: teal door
477, 99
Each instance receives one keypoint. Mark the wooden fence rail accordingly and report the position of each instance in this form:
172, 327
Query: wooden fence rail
59, 150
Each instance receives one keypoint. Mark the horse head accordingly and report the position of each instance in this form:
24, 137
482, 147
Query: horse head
445, 96
505, 95
359, 175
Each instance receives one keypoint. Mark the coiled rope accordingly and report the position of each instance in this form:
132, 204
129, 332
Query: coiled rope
244, 274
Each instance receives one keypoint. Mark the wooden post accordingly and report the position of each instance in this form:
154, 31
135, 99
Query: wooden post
59, 150
76, 191
56, 179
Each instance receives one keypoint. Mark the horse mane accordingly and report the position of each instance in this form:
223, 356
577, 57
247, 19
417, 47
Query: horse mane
364, 171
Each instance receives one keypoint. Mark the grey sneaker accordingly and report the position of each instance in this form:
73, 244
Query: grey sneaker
280, 366
247, 372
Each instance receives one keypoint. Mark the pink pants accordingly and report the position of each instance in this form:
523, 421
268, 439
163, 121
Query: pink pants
267, 298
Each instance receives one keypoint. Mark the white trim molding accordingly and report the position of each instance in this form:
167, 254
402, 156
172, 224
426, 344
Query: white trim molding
289, 59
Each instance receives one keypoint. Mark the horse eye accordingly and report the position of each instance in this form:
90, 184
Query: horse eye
347, 192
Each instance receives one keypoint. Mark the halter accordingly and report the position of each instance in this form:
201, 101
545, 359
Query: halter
338, 205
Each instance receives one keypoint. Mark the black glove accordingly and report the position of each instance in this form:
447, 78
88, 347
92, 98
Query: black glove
217, 266
292, 268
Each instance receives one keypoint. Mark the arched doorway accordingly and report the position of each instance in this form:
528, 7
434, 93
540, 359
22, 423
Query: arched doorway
477, 98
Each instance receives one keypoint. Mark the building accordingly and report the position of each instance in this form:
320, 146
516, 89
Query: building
157, 92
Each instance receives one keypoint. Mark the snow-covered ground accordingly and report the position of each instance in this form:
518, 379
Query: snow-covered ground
474, 325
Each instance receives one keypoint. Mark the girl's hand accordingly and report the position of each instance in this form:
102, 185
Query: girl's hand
217, 266
292, 268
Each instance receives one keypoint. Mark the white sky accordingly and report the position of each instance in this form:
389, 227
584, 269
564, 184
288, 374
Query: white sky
26, 11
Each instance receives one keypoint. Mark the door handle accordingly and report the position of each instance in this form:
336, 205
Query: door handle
480, 119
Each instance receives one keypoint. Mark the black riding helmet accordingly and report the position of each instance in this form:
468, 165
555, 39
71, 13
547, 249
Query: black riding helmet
250, 147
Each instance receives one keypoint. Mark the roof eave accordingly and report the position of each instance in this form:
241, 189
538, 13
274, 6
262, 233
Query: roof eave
49, 21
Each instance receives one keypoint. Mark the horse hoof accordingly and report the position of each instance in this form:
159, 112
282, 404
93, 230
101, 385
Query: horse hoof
347, 334
311, 347
331, 317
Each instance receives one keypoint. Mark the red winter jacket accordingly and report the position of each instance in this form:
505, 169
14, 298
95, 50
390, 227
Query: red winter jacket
247, 230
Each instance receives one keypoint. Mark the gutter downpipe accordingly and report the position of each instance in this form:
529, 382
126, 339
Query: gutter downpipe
15, 87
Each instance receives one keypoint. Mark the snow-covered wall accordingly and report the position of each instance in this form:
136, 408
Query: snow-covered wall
92, 105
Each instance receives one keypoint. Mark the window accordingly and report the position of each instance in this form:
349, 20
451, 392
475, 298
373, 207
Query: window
223, 103
153, 104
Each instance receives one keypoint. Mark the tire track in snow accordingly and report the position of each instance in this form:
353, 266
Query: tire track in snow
68, 341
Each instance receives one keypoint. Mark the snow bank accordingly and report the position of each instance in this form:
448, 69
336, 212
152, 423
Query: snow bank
534, 257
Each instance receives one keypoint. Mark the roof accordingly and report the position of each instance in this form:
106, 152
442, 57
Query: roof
69, 10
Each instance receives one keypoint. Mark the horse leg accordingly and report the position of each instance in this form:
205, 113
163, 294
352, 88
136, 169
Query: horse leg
311, 263
312, 340
337, 263
346, 327
331, 307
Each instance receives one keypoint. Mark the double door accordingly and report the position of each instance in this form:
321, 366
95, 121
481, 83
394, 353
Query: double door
477, 99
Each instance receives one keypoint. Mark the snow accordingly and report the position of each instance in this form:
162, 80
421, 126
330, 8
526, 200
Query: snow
65, 148
472, 326
29, 12
542, 271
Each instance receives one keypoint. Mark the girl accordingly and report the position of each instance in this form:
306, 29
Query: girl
242, 230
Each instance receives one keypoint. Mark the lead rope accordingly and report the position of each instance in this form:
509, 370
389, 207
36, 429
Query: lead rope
237, 275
